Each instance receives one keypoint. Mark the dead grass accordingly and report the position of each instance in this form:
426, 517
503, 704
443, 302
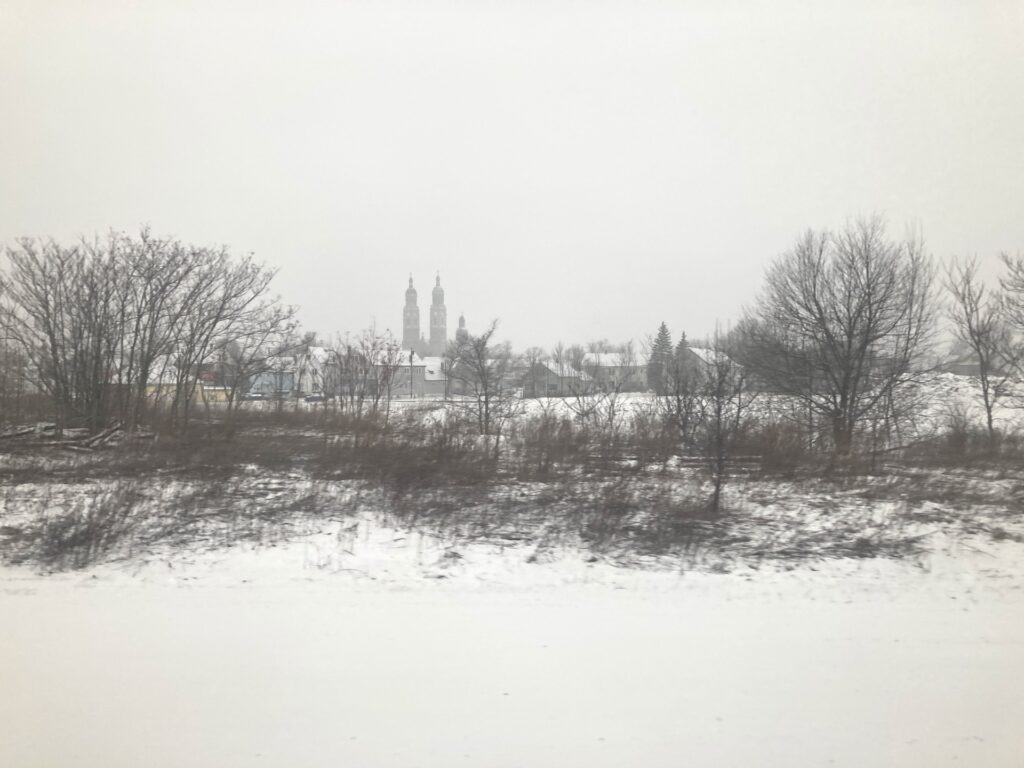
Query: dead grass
273, 477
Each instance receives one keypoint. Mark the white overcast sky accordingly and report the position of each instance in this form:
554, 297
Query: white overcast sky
577, 169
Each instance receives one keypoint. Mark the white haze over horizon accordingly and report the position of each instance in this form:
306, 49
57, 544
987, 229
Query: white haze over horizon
578, 170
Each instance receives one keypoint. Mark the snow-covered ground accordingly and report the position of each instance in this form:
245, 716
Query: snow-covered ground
339, 636
360, 645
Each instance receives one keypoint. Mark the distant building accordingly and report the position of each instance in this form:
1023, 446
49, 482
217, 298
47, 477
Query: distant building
462, 335
420, 376
614, 370
279, 380
313, 371
412, 336
550, 379
412, 339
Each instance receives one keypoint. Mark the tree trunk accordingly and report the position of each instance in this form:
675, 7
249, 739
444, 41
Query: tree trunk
842, 436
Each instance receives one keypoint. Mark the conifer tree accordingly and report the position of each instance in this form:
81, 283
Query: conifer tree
661, 356
683, 344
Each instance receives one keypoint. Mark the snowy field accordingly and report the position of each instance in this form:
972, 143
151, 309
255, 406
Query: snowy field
386, 650
287, 614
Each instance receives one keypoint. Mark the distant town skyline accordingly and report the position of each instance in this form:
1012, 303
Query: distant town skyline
577, 171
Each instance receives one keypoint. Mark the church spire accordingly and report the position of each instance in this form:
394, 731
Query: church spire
410, 318
438, 320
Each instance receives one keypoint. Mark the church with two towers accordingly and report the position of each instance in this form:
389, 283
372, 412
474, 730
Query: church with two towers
412, 337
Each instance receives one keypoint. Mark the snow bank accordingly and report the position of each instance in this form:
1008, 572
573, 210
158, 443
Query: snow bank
359, 645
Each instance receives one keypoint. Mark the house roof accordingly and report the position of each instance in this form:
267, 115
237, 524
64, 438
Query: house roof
704, 354
319, 355
433, 368
565, 371
281, 363
609, 360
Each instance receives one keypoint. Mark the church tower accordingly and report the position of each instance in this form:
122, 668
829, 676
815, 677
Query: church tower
410, 319
438, 321
462, 335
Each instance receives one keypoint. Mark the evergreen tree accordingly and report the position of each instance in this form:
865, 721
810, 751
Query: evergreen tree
678, 363
661, 356
683, 344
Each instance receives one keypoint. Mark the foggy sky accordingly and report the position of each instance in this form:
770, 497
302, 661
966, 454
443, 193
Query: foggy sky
578, 170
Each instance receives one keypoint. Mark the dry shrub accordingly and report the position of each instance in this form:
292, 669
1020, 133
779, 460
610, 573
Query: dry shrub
89, 529
963, 442
780, 445
548, 443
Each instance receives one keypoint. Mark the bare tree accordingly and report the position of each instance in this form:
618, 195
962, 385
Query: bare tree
597, 395
154, 274
979, 321
98, 319
706, 407
13, 364
843, 323
574, 355
724, 402
387, 359
535, 380
64, 320
224, 295
367, 371
681, 404
355, 380
587, 391
262, 339
483, 370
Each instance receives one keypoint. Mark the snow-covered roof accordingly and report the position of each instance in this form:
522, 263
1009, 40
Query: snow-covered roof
608, 360
705, 354
280, 363
319, 355
566, 371
433, 368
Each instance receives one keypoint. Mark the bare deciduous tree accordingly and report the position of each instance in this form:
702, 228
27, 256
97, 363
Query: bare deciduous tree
842, 323
224, 295
264, 337
535, 379
706, 405
99, 320
979, 321
367, 371
725, 399
483, 372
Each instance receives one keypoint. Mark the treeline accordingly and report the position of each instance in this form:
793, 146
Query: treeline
113, 328
841, 335
846, 326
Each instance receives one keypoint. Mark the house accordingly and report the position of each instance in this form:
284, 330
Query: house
503, 376
314, 371
435, 376
615, 371
162, 384
317, 372
420, 376
550, 379
277, 380
694, 364
697, 360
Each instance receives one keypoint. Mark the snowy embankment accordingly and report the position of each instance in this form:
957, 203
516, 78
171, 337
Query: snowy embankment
260, 616
343, 647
